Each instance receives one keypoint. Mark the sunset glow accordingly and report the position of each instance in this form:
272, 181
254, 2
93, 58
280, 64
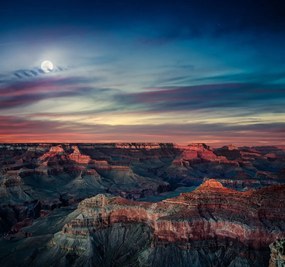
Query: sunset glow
125, 73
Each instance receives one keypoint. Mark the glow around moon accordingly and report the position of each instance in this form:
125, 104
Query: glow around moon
47, 66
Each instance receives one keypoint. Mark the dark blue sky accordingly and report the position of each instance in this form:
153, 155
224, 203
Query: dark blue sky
179, 71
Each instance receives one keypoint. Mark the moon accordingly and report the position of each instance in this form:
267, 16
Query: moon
47, 66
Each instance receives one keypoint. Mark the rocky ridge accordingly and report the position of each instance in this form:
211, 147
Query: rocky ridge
220, 216
255, 218
37, 180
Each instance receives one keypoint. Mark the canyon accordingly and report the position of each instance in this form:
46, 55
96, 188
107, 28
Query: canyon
141, 204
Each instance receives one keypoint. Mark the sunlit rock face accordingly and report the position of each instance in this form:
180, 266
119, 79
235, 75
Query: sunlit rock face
78, 157
54, 151
212, 216
255, 218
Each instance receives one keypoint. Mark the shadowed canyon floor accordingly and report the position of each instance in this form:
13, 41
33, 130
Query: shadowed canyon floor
141, 205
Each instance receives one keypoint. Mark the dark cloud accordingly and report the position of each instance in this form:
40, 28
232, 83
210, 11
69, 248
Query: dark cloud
262, 77
28, 99
29, 73
189, 129
23, 93
18, 125
209, 96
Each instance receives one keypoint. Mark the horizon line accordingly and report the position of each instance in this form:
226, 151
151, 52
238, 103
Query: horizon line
148, 143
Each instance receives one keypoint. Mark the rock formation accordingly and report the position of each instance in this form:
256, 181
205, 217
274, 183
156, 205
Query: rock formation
277, 257
78, 157
255, 218
211, 216
228, 221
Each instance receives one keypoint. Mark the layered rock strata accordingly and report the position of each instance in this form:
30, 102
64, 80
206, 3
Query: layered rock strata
212, 212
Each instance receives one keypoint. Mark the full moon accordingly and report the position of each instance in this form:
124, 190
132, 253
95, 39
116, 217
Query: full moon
47, 66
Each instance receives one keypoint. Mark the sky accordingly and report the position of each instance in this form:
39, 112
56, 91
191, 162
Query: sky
143, 71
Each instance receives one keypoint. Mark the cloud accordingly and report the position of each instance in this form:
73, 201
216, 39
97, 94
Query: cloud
15, 129
23, 93
262, 77
35, 72
208, 96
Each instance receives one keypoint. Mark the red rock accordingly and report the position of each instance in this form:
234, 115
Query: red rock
54, 150
78, 157
210, 211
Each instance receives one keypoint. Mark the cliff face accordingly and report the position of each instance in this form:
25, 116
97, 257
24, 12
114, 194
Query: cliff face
255, 218
78, 157
132, 170
211, 226
212, 216
30, 172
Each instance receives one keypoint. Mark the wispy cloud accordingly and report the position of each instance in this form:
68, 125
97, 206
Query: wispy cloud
209, 96
23, 93
15, 129
35, 72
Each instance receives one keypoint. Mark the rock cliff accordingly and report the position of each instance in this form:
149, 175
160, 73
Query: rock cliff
277, 257
255, 218
211, 217
228, 221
